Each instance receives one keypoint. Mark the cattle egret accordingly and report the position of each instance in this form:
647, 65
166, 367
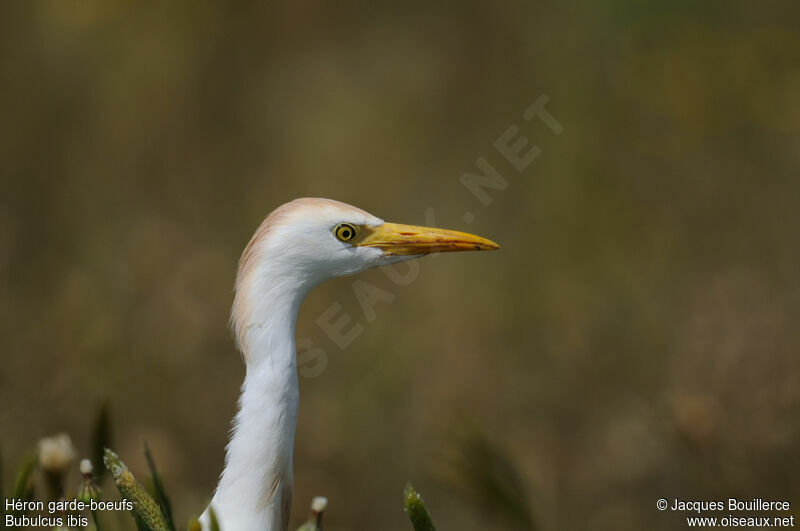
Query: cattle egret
299, 245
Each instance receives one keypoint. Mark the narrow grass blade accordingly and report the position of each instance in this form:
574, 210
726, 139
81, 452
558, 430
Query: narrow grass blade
101, 439
96, 521
145, 508
24, 485
416, 510
158, 489
213, 523
486, 473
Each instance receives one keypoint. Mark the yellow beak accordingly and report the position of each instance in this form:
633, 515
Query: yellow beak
396, 239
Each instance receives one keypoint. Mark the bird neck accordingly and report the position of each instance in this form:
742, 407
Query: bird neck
255, 488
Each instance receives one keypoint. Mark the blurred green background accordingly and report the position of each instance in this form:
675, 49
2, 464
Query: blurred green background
636, 337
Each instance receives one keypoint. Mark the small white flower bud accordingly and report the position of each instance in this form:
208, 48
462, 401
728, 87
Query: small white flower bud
319, 503
56, 452
86, 467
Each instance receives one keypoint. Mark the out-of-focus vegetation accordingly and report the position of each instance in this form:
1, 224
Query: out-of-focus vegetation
55, 507
635, 338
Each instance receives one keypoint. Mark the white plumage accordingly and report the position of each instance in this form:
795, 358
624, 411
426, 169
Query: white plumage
299, 245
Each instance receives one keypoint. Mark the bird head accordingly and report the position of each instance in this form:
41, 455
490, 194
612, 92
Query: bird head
321, 239
310, 240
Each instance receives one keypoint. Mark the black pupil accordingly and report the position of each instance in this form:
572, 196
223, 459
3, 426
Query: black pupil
346, 234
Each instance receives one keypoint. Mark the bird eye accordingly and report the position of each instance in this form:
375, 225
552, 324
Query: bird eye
344, 232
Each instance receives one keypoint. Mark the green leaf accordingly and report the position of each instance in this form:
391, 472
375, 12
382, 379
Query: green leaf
96, 521
487, 474
24, 485
158, 489
213, 523
101, 439
416, 510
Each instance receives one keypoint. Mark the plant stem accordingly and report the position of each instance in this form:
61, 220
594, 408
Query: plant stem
143, 505
416, 510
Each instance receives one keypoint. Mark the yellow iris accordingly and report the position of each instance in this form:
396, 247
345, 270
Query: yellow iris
344, 232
